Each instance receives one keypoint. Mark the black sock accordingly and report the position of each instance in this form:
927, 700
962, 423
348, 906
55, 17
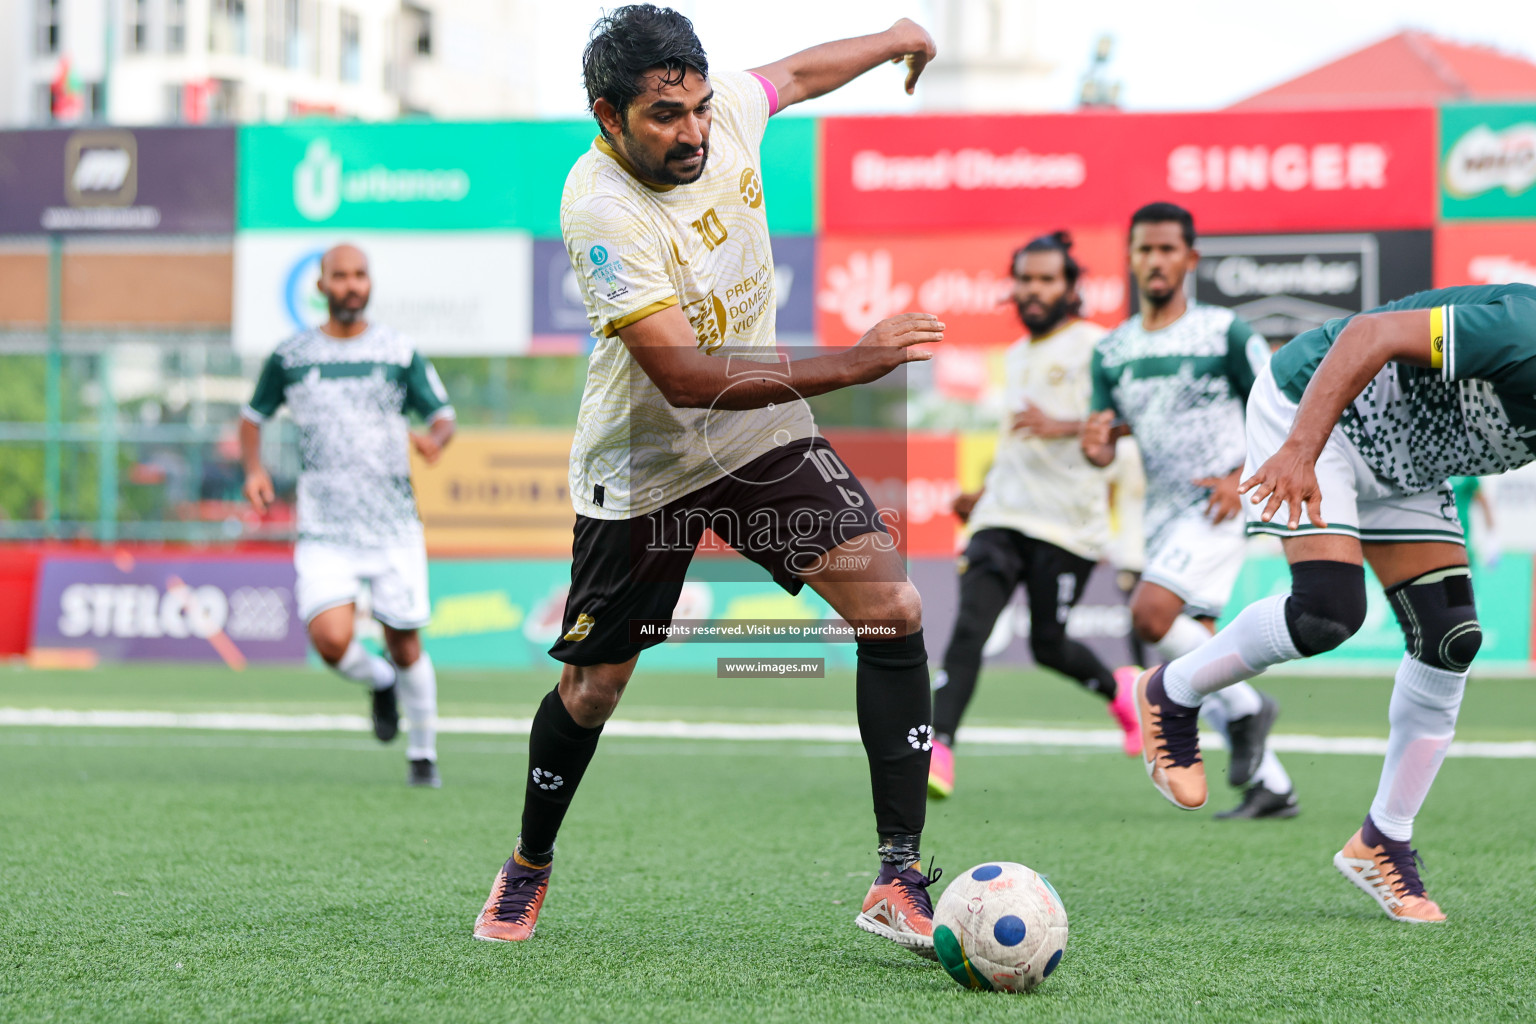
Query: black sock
894, 714
559, 751
983, 596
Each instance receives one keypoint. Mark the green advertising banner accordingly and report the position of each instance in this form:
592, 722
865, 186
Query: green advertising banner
791, 158
1488, 161
460, 176
1503, 608
506, 613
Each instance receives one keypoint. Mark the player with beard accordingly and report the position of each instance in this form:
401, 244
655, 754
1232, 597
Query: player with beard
1041, 519
349, 384
1177, 376
692, 417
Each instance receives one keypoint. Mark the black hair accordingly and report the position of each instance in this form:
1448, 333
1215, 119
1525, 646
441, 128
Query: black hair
1167, 213
1056, 241
631, 40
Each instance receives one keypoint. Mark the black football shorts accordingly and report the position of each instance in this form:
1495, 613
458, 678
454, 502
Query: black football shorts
783, 510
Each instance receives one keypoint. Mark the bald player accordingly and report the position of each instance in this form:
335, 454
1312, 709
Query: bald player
348, 385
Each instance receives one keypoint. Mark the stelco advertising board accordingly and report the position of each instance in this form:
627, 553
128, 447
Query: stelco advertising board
233, 609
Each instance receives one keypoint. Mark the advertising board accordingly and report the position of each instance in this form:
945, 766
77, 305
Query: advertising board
235, 609
1285, 284
118, 180
1488, 161
1250, 171
451, 292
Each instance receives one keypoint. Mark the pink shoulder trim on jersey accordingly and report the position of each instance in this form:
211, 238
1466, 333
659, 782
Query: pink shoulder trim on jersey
773, 94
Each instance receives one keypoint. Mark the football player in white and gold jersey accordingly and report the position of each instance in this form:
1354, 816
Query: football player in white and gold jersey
692, 418
1041, 520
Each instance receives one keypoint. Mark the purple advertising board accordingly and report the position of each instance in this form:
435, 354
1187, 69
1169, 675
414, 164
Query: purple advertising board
558, 311
118, 180
234, 609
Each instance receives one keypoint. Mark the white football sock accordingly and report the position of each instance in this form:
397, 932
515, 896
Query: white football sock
1238, 700
1216, 717
369, 669
1272, 774
1253, 642
1182, 637
418, 695
1422, 714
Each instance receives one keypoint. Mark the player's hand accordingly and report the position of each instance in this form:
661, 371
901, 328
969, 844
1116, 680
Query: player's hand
1287, 477
1225, 503
1097, 439
1030, 420
918, 50
258, 490
889, 343
964, 504
427, 447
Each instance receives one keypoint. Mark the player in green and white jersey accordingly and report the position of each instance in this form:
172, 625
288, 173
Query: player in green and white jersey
1177, 375
1352, 433
348, 384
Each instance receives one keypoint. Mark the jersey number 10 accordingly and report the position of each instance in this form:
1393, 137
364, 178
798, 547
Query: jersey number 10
710, 229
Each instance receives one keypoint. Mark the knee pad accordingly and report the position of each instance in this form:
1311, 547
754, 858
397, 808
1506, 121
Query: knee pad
1438, 618
1326, 606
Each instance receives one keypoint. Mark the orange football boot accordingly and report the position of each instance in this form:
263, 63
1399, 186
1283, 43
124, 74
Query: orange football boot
512, 909
1388, 871
1170, 737
899, 908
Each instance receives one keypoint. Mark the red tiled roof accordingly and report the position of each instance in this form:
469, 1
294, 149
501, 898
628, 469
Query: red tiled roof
1407, 69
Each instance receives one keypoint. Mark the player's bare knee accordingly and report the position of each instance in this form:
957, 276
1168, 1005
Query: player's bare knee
404, 646
331, 647
1326, 606
904, 606
1150, 621
1439, 618
592, 692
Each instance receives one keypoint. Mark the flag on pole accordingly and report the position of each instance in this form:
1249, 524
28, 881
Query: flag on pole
67, 103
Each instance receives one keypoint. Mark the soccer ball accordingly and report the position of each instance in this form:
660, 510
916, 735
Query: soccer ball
1000, 926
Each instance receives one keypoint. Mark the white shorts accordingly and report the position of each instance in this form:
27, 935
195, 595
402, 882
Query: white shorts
1197, 560
1355, 501
332, 574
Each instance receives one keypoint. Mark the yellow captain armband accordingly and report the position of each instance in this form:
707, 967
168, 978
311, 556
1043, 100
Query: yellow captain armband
1437, 318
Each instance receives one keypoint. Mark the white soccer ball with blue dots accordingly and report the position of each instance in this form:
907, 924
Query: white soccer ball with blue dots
1000, 926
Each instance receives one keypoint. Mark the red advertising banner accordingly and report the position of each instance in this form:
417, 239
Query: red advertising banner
930, 487
961, 278
1238, 172
1485, 254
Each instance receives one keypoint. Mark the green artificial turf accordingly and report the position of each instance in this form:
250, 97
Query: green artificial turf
154, 875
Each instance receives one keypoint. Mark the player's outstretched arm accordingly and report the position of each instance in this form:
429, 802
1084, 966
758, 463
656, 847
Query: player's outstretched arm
258, 485
821, 69
668, 351
1367, 344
